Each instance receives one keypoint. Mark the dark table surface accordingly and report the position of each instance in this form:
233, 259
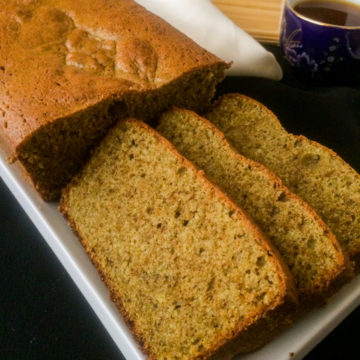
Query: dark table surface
42, 313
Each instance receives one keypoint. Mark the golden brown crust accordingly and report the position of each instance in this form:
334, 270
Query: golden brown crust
77, 57
287, 294
79, 27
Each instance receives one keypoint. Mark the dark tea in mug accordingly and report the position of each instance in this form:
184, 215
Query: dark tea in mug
333, 12
321, 40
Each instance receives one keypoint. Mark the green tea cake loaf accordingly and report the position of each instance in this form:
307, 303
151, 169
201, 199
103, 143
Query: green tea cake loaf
70, 69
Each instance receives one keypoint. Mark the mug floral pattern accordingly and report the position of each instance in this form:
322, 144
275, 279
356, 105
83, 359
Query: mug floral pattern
318, 50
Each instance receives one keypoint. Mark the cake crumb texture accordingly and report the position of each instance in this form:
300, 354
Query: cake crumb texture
185, 266
307, 245
311, 170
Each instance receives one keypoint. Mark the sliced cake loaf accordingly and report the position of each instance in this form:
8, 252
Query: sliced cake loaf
309, 169
305, 242
186, 268
88, 64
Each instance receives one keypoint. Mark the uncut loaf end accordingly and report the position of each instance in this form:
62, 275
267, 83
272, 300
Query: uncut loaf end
325, 181
69, 69
307, 245
188, 271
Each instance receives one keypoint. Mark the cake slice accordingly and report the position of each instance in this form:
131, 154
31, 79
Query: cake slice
307, 245
311, 170
187, 269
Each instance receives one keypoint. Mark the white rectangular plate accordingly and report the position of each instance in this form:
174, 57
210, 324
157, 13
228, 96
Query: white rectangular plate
294, 343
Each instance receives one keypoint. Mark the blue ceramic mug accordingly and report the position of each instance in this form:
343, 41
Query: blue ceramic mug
319, 51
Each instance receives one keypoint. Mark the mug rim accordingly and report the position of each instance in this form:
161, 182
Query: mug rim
291, 8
